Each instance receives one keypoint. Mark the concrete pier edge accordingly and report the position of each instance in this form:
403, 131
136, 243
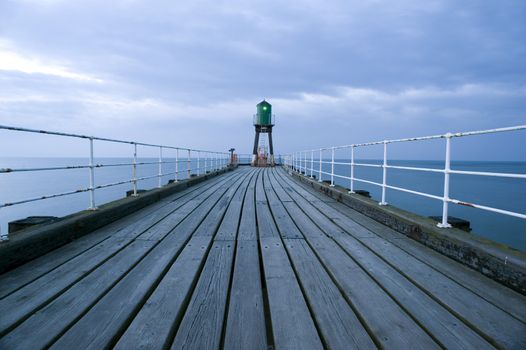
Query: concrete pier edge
494, 260
36, 241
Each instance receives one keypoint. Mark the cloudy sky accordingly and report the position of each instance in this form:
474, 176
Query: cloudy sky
189, 73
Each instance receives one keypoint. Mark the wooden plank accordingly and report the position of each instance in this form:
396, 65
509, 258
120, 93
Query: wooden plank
215, 217
448, 330
229, 226
321, 220
385, 320
208, 198
48, 323
23, 275
154, 326
336, 321
203, 320
19, 305
334, 316
494, 324
286, 227
314, 211
245, 323
292, 324
247, 225
265, 221
499, 295
107, 320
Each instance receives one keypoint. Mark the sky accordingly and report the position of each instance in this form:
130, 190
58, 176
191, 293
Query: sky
190, 73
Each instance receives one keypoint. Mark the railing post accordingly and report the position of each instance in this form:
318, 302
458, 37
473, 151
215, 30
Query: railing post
311, 163
160, 166
92, 205
188, 162
134, 170
206, 162
298, 162
176, 164
447, 168
351, 189
332, 167
319, 175
305, 161
198, 163
302, 166
384, 177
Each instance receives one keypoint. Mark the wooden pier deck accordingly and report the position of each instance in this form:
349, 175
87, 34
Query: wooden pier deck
252, 259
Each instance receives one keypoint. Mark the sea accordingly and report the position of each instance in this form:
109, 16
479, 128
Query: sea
497, 192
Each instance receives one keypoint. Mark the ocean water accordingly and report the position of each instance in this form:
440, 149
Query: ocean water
502, 193
16, 186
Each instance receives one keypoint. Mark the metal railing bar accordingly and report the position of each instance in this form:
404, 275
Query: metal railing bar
416, 169
12, 170
369, 165
484, 207
483, 173
415, 192
72, 167
8, 204
367, 181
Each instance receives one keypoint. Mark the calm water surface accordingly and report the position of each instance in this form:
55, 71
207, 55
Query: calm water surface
503, 193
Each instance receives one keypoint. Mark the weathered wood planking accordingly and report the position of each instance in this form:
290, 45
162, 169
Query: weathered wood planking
247, 225
19, 277
203, 320
19, 305
292, 325
48, 323
448, 330
504, 298
104, 323
250, 260
476, 312
156, 322
380, 313
245, 323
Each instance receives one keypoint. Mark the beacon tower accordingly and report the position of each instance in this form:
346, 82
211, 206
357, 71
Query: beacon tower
263, 125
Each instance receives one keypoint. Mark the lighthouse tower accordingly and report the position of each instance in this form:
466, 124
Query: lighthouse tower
263, 125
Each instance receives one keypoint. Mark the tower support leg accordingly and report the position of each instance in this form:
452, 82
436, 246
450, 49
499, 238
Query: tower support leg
255, 150
271, 148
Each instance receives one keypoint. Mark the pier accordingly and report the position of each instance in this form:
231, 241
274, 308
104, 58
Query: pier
253, 259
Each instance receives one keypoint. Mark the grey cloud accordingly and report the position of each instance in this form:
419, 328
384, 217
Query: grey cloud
335, 71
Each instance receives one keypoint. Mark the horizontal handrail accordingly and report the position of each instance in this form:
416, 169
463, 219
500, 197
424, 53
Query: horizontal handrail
304, 161
69, 167
206, 160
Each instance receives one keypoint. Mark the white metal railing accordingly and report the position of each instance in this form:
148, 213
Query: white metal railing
205, 161
304, 162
